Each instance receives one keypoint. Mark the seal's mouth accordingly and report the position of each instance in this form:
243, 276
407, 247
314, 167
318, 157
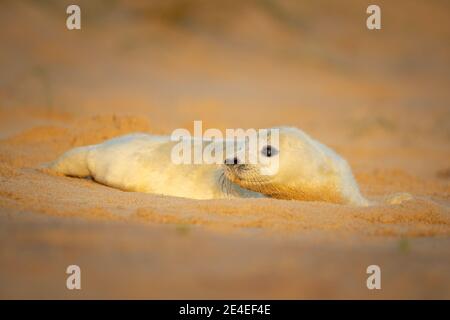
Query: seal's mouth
236, 172
247, 176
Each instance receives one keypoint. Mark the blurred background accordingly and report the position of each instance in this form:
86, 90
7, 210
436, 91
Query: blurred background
180, 56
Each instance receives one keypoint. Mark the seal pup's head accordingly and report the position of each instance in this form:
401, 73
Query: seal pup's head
298, 167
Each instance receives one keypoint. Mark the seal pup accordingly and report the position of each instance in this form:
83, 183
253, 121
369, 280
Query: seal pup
142, 163
307, 170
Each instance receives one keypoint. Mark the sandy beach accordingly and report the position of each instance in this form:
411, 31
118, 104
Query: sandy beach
379, 98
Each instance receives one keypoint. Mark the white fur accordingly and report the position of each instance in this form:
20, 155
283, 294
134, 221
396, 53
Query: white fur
308, 170
142, 163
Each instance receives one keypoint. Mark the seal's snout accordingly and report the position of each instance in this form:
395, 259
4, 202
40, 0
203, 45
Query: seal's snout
232, 161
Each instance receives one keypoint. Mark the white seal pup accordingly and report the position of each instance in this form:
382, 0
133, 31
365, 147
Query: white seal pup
142, 163
307, 170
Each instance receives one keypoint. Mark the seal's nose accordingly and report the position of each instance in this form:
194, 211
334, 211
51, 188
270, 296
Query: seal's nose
235, 160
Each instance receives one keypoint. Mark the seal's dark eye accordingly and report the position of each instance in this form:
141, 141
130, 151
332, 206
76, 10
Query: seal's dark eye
269, 151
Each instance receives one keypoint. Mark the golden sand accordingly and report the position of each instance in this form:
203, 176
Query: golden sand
380, 100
